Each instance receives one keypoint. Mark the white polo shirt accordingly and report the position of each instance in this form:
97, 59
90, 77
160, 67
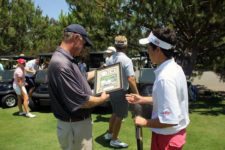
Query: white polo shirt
31, 65
170, 98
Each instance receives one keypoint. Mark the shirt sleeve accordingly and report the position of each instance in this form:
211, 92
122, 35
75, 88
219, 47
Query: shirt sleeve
168, 103
107, 62
70, 90
28, 65
129, 69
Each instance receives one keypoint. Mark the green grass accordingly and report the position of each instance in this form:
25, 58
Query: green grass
206, 131
127, 133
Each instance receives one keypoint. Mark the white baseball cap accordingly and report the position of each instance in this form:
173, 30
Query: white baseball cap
110, 49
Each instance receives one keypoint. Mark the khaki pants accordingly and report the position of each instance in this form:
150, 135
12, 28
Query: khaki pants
75, 135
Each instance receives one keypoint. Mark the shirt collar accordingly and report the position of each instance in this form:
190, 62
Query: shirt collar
163, 65
119, 53
67, 55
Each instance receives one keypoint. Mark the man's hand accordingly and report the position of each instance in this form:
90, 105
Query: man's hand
94, 101
90, 75
105, 96
152, 123
137, 99
140, 121
133, 98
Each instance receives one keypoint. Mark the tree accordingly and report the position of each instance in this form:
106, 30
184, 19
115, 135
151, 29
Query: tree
104, 19
199, 25
23, 29
201, 32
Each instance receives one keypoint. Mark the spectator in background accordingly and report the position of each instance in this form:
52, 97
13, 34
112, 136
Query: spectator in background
109, 52
82, 66
31, 68
118, 101
19, 87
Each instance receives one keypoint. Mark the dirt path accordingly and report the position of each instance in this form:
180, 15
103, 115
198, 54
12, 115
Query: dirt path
210, 80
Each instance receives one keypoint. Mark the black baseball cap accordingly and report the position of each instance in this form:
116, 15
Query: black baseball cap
76, 28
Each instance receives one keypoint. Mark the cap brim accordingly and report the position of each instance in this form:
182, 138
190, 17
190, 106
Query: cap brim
88, 41
144, 41
108, 51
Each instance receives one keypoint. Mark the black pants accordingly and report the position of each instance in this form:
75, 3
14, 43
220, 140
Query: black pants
30, 82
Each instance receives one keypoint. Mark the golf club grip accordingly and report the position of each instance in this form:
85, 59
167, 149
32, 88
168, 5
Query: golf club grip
136, 111
139, 138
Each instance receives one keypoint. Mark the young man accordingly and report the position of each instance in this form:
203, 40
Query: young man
70, 93
19, 87
169, 98
118, 101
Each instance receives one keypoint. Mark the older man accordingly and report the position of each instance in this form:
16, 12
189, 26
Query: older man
70, 92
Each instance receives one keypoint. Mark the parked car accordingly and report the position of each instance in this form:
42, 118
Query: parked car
44, 60
145, 81
7, 94
40, 96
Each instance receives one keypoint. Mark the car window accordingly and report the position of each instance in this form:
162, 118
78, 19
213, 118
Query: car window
41, 77
6, 75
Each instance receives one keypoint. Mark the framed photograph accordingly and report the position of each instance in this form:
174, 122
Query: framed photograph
108, 79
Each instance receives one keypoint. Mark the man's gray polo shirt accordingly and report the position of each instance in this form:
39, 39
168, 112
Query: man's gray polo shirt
68, 88
127, 66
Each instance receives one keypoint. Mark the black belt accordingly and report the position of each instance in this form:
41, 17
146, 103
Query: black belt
75, 119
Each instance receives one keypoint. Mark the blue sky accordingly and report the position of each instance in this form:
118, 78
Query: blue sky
52, 8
